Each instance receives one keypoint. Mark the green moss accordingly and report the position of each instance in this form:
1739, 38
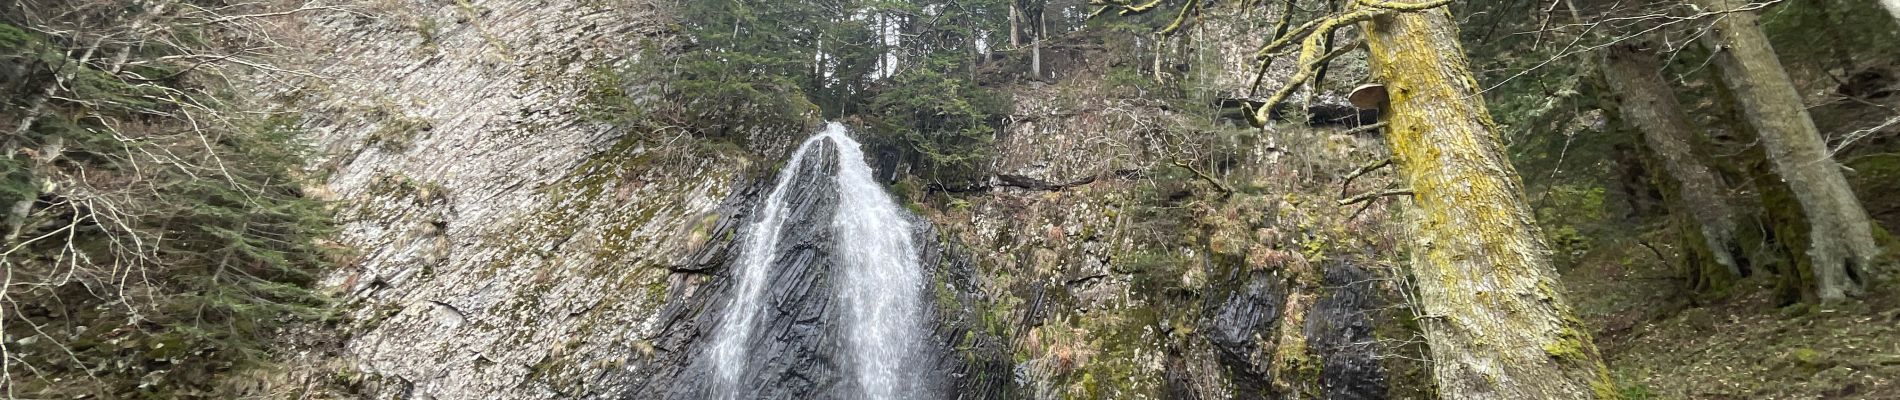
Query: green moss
1091, 387
1604, 387
1634, 391
656, 288
1572, 345
1791, 232
946, 295
1568, 346
1808, 361
1300, 369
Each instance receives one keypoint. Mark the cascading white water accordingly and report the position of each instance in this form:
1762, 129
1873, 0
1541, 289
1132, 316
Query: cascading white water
882, 277
879, 286
735, 327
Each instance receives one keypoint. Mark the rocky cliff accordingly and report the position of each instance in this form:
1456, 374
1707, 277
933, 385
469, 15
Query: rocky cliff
511, 245
508, 247
1118, 273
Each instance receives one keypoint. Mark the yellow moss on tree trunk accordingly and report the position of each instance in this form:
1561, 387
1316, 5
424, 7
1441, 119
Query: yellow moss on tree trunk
1497, 327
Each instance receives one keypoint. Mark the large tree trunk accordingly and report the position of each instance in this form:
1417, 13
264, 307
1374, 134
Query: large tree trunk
1496, 323
1773, 233
1841, 242
1647, 103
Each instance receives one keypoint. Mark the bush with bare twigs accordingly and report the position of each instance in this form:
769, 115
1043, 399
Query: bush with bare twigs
156, 237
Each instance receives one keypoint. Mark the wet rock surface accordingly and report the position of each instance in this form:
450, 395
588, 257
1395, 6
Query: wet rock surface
1239, 324
1339, 330
799, 349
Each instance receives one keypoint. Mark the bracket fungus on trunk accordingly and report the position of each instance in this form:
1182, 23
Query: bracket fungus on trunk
1368, 96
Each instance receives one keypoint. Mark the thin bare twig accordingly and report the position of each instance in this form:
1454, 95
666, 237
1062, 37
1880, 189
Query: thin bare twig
1375, 195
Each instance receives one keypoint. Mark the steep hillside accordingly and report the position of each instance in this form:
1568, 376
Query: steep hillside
509, 245
557, 255
479, 199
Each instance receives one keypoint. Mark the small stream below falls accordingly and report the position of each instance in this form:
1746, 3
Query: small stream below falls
878, 286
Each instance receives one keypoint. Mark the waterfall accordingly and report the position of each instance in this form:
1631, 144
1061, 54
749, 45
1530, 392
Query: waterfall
879, 286
882, 278
762, 237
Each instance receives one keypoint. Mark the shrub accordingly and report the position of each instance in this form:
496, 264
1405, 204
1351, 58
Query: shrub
155, 239
943, 124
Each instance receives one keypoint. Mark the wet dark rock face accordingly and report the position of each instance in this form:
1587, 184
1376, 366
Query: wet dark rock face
1243, 322
1239, 323
799, 348
970, 363
1339, 330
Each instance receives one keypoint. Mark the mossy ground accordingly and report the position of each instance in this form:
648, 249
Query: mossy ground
1876, 177
1661, 346
1742, 341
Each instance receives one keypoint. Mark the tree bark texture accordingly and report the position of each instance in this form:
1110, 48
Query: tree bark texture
1496, 323
1648, 104
1840, 236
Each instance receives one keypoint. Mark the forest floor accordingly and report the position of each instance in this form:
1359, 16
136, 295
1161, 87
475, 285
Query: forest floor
1662, 344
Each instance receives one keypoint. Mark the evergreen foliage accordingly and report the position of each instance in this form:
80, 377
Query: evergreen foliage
945, 124
902, 67
155, 239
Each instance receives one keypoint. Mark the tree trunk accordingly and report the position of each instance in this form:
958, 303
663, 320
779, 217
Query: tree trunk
1035, 47
1634, 184
21, 209
1786, 231
1496, 323
1773, 232
1161, 47
1647, 103
1841, 242
977, 58
818, 62
1015, 25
